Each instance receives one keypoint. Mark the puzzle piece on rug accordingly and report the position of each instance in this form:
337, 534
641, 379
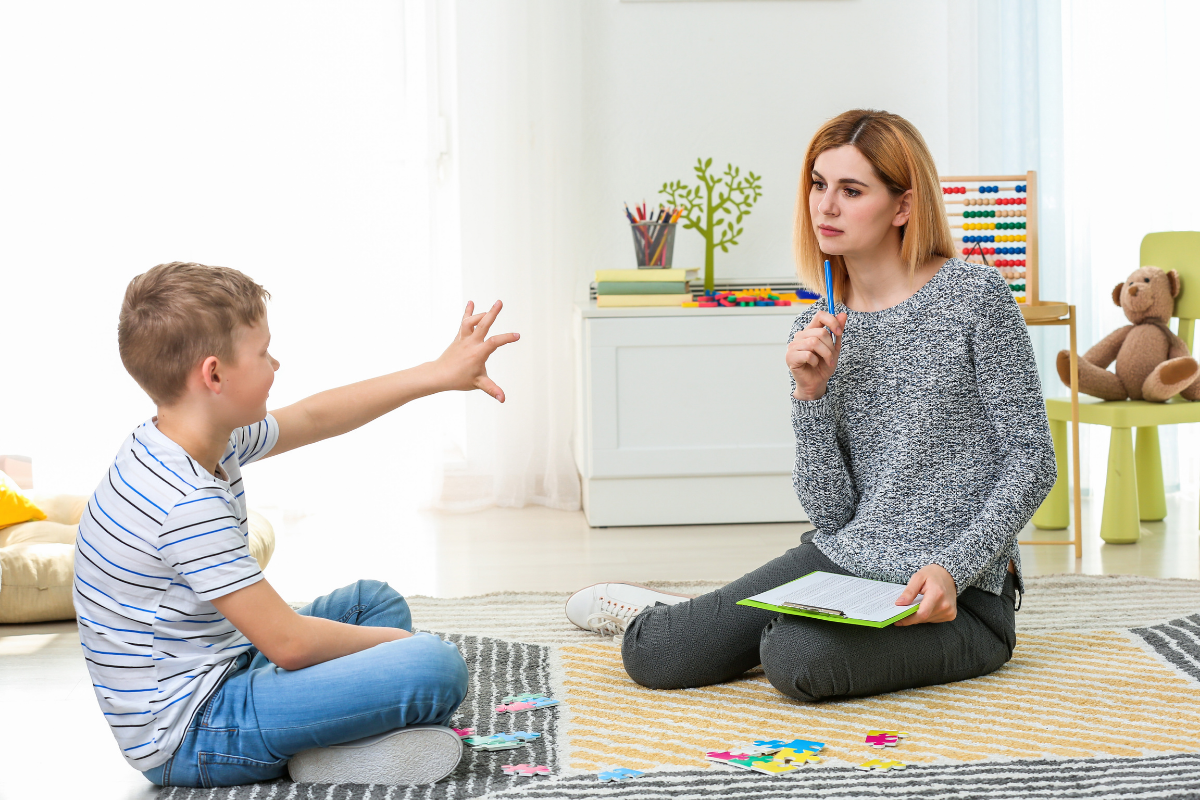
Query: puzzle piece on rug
501, 741
525, 769
492, 747
516, 736
620, 774
789, 755
901, 734
750, 763
773, 745
881, 764
526, 705
464, 732
882, 740
522, 698
725, 756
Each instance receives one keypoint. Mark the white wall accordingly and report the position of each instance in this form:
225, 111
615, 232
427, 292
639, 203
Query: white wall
265, 136
747, 83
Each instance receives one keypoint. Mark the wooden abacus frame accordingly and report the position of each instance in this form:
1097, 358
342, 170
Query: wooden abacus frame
1038, 312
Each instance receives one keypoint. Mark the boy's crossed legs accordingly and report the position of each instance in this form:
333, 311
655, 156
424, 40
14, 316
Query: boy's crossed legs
262, 715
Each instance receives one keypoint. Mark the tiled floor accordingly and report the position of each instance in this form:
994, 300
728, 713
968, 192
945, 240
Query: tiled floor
55, 742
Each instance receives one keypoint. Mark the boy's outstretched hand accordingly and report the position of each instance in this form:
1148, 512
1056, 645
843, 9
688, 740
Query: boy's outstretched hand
463, 366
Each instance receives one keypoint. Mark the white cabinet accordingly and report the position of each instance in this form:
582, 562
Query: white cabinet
683, 415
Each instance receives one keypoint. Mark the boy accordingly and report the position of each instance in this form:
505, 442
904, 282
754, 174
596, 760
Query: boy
206, 676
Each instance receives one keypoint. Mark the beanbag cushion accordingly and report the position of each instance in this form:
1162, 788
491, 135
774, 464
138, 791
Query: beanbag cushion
37, 559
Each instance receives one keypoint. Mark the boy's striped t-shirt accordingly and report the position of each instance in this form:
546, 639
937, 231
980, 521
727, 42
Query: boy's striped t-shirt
159, 540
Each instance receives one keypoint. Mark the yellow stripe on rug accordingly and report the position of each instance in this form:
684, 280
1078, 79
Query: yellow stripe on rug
1062, 695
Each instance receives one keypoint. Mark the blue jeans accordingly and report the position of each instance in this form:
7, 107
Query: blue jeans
262, 715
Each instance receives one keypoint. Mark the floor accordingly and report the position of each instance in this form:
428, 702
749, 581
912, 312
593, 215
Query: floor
43, 683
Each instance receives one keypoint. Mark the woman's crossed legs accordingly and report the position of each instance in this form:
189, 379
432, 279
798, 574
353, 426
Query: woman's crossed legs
710, 639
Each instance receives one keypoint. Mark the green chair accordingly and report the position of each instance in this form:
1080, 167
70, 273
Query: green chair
1134, 486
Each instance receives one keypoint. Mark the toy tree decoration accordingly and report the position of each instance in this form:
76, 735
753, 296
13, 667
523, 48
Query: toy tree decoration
718, 219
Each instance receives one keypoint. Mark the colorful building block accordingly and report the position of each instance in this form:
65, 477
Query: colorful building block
619, 774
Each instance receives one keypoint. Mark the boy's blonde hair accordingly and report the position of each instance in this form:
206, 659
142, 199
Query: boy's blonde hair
175, 315
902, 161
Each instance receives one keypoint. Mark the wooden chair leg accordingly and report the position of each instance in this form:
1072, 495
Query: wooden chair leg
1119, 524
1053, 513
1152, 497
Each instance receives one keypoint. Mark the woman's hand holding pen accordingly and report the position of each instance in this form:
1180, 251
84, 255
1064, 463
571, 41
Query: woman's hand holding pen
813, 353
940, 601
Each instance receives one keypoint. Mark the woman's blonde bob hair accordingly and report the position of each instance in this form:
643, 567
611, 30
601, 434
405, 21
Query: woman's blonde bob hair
902, 162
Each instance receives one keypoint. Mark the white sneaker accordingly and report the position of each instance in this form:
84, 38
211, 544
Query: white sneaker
412, 756
608, 608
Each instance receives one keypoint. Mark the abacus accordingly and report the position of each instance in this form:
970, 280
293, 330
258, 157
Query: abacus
993, 219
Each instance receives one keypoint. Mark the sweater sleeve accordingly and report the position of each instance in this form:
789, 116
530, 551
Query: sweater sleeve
1007, 380
820, 476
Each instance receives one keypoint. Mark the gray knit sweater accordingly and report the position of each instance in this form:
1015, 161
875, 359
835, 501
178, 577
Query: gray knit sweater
930, 445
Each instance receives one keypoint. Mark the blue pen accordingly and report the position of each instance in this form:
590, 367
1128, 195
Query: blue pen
829, 298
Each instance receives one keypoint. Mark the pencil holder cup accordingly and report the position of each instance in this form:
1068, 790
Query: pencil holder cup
653, 244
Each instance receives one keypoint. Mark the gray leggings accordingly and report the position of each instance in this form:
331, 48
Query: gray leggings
711, 640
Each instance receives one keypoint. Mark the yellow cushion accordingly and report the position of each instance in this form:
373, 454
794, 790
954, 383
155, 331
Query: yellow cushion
14, 505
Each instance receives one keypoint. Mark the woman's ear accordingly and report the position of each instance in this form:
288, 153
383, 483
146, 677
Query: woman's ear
904, 211
1117, 294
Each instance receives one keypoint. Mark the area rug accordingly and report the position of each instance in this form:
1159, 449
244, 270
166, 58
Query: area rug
1100, 700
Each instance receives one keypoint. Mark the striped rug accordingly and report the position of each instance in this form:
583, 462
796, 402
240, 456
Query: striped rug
1101, 699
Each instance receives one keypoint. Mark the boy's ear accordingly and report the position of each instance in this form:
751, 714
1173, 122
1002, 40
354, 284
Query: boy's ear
210, 374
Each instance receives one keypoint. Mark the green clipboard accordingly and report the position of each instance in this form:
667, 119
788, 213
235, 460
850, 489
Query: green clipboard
828, 617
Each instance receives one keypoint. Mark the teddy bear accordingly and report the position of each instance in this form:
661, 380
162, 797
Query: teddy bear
1152, 363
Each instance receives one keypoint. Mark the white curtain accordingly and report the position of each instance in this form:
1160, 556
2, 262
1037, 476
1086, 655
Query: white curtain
1129, 73
1087, 93
519, 143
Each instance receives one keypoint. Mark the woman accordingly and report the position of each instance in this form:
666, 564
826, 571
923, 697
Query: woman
922, 448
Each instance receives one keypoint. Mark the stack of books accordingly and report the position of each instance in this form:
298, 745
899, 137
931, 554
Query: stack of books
616, 288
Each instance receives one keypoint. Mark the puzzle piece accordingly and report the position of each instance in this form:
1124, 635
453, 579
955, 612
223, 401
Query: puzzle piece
620, 774
882, 740
789, 755
881, 764
526, 705
525, 769
774, 745
725, 756
750, 763
464, 732
501, 741
901, 734
492, 747
521, 698
773, 767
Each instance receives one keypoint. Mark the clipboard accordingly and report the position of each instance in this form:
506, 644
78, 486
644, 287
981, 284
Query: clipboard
773, 600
